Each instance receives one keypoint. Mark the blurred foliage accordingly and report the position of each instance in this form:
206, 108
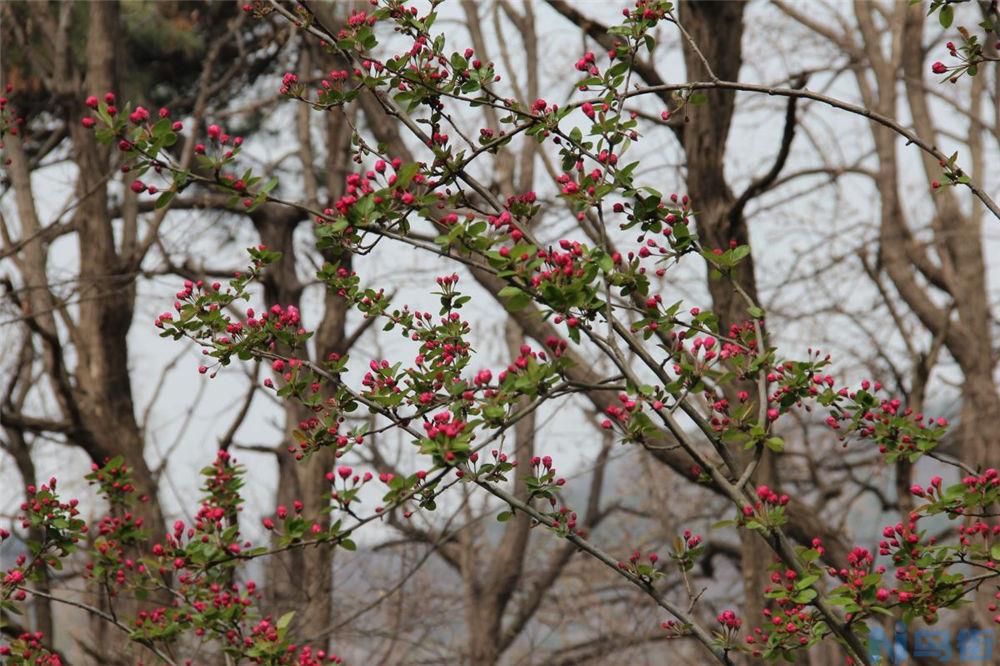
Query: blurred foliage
160, 53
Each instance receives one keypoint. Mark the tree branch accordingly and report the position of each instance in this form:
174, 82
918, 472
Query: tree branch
762, 184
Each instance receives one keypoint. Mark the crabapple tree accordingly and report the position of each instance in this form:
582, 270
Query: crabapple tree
704, 390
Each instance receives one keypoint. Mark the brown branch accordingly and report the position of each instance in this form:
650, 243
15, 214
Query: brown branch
35, 424
602, 646
227, 439
762, 184
560, 558
56, 369
720, 654
43, 235
599, 33
863, 111
107, 617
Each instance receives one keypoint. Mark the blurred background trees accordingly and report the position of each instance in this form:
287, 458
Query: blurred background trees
852, 252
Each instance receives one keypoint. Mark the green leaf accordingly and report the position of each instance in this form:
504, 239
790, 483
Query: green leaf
494, 412
285, 620
697, 99
806, 582
839, 601
808, 556
946, 16
161, 128
406, 174
165, 198
776, 444
605, 262
504, 516
271, 184
515, 298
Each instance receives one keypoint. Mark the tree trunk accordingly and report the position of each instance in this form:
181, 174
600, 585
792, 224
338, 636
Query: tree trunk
306, 480
717, 30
